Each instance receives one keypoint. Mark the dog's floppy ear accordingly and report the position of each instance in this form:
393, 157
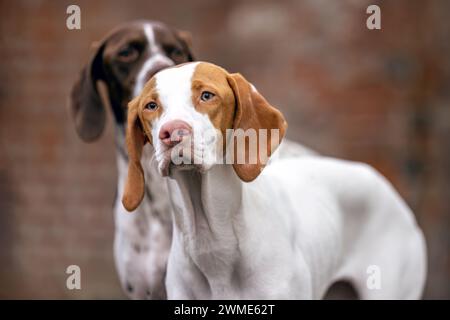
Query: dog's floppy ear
252, 111
135, 140
185, 38
86, 106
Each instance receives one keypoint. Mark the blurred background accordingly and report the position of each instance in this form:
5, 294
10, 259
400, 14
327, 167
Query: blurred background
381, 96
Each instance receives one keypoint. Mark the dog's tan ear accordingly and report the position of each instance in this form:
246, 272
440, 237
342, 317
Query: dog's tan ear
86, 106
254, 112
135, 140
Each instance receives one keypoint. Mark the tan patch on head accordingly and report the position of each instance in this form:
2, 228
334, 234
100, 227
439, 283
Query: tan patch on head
146, 116
221, 108
237, 105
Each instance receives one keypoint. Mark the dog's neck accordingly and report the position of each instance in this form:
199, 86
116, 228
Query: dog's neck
207, 208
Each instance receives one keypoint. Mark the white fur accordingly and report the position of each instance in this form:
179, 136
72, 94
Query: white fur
155, 56
142, 238
175, 94
303, 224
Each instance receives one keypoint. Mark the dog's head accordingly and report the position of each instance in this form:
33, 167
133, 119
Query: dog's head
194, 115
120, 66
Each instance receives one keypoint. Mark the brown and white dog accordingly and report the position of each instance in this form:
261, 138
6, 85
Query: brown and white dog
243, 230
122, 63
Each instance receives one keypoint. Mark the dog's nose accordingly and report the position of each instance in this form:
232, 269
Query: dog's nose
172, 132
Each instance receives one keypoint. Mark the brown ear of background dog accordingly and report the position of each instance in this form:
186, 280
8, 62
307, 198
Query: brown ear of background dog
87, 109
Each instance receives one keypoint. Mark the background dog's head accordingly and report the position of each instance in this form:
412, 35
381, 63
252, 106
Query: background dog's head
120, 66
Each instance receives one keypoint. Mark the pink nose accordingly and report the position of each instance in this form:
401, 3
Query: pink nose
172, 132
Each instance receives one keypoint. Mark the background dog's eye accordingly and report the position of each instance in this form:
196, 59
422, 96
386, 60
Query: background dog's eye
151, 106
206, 95
128, 53
174, 52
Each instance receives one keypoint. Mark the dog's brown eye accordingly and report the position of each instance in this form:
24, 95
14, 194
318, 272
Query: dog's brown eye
173, 51
128, 53
206, 95
151, 106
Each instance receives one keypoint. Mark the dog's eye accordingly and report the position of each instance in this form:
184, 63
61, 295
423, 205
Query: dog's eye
151, 106
206, 95
128, 53
173, 51
176, 52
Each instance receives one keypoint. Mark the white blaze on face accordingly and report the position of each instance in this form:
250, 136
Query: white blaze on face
174, 88
155, 57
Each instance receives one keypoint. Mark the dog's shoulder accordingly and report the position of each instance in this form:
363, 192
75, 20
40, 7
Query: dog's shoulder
321, 168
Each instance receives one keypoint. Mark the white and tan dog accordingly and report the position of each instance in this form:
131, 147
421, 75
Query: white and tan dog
286, 232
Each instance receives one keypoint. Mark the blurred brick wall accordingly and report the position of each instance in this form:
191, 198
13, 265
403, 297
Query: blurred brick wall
376, 96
